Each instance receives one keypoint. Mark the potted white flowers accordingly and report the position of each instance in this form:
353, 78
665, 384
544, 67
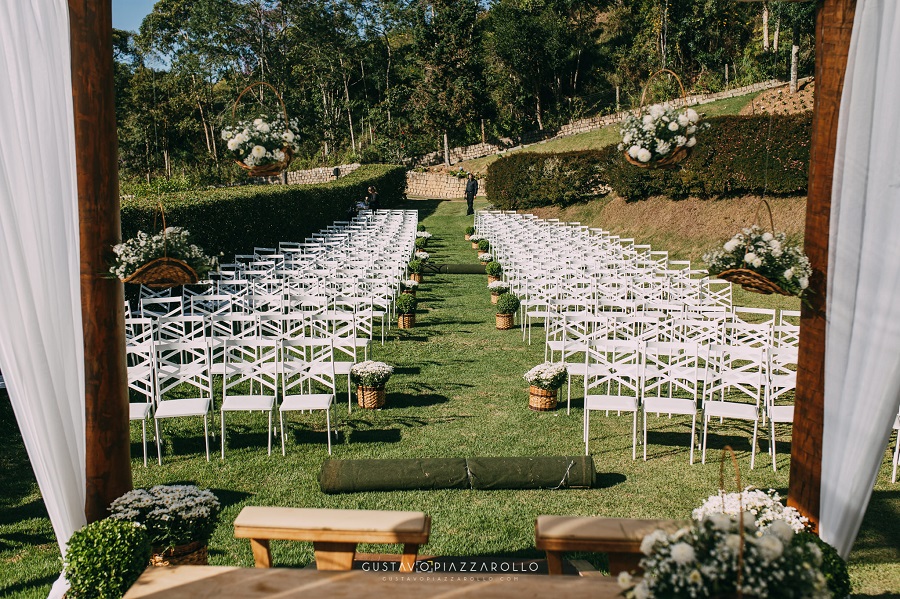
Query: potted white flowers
179, 520
765, 508
370, 378
423, 256
160, 261
474, 239
485, 257
262, 146
544, 381
497, 288
660, 136
409, 287
762, 262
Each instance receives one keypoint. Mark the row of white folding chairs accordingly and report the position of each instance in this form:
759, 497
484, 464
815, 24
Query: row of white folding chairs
682, 378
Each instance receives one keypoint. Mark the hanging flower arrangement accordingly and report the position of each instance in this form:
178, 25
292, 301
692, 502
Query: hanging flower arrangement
264, 145
660, 135
160, 261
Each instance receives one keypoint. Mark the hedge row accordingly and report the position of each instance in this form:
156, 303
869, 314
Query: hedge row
237, 219
736, 155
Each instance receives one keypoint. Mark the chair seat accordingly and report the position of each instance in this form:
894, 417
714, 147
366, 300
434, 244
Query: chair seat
670, 405
343, 367
314, 401
610, 402
576, 369
731, 409
781, 413
235, 403
139, 411
173, 408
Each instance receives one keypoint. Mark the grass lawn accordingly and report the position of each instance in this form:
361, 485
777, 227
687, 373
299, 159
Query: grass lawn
458, 392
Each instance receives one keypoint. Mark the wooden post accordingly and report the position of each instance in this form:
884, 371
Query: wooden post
834, 23
107, 441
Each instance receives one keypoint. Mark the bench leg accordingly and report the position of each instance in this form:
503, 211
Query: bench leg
554, 563
408, 561
261, 553
334, 556
622, 562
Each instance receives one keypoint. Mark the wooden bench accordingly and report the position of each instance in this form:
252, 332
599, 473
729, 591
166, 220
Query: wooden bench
334, 533
620, 538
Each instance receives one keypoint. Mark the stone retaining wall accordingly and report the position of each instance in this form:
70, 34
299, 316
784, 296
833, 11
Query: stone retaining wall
438, 186
318, 175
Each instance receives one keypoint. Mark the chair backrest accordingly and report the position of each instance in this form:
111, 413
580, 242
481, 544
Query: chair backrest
184, 363
613, 367
161, 306
253, 363
304, 363
672, 370
782, 373
753, 335
735, 373
180, 328
207, 305
139, 331
141, 372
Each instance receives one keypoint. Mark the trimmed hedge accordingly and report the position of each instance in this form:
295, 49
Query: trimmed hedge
235, 220
730, 159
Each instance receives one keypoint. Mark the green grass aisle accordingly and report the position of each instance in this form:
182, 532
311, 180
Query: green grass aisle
458, 391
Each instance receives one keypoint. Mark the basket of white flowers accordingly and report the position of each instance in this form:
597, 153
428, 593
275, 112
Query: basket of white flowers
370, 378
263, 146
497, 288
544, 381
659, 136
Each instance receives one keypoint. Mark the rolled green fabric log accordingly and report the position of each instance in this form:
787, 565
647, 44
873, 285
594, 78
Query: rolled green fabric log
353, 476
532, 473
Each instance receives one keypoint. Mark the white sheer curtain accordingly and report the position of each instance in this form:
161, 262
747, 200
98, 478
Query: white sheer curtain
41, 352
862, 361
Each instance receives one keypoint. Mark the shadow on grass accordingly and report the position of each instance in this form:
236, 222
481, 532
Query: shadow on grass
384, 435
405, 400
879, 538
609, 479
425, 208
11, 540
28, 585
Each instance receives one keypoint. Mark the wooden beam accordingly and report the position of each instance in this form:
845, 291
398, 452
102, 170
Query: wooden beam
107, 441
834, 23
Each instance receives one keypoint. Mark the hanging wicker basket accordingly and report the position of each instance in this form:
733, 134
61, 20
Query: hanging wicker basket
273, 168
670, 160
370, 397
541, 400
164, 272
192, 554
504, 321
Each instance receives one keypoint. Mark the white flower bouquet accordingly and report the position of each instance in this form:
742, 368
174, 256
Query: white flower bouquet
423, 234
546, 376
485, 257
371, 373
262, 142
767, 254
410, 284
704, 560
498, 287
172, 514
173, 242
764, 507
475, 238
423, 256
658, 133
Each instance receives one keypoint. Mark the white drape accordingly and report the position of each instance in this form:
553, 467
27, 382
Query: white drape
862, 360
41, 352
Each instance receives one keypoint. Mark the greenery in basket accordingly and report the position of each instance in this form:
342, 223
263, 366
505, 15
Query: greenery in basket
702, 560
493, 269
483, 244
485, 257
420, 227
421, 242
766, 253
172, 514
415, 266
423, 256
498, 287
371, 373
475, 238
410, 284
174, 242
263, 140
507, 304
470, 231
833, 566
406, 304
104, 558
546, 376
658, 132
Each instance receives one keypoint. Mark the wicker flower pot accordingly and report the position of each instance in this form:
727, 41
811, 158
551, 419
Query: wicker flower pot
416, 276
411, 292
370, 397
541, 400
467, 237
406, 321
752, 281
505, 321
192, 554
474, 245
495, 297
492, 279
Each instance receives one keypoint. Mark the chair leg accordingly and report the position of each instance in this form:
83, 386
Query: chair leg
158, 450
270, 432
144, 439
283, 433
222, 419
587, 424
634, 436
753, 445
206, 435
349, 399
896, 458
644, 422
705, 431
328, 427
772, 443
693, 433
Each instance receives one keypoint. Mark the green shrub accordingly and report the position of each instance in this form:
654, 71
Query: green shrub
420, 227
406, 304
484, 245
507, 304
415, 266
237, 219
732, 159
470, 230
494, 269
421, 242
833, 566
104, 558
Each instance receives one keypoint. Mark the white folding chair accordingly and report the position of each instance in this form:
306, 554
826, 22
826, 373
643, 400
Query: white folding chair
251, 380
142, 381
613, 368
306, 364
185, 365
781, 384
671, 383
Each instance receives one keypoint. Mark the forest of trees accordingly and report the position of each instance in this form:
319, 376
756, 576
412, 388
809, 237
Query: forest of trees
386, 80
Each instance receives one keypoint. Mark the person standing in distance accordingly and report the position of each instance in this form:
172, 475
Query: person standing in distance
471, 191
372, 199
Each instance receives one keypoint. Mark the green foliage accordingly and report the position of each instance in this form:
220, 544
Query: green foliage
415, 266
421, 242
484, 245
494, 269
738, 155
104, 559
172, 515
507, 304
406, 304
420, 227
235, 220
470, 230
833, 566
